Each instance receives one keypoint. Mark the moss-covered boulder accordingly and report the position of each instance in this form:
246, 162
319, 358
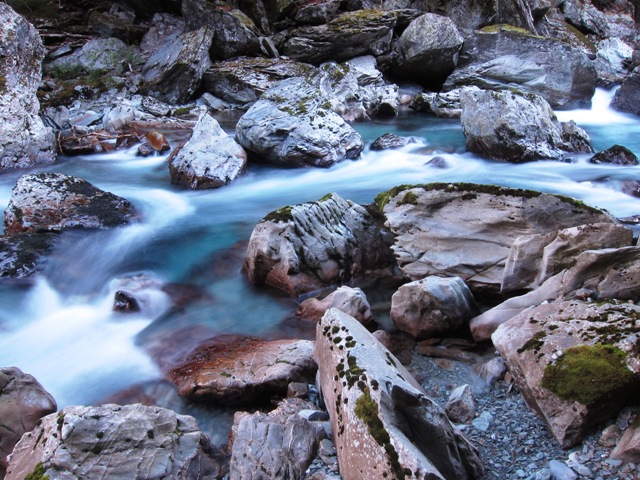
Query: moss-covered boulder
575, 363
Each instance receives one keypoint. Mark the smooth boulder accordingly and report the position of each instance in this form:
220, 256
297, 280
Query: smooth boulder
351, 301
615, 155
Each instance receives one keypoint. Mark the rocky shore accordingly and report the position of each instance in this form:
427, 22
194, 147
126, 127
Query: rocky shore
508, 344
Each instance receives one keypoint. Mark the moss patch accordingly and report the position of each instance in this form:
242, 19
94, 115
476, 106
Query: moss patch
503, 27
588, 374
38, 473
280, 215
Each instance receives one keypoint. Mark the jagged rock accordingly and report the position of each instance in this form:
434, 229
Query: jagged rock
428, 50
24, 139
516, 128
612, 60
616, 155
243, 370
173, 73
292, 125
280, 444
163, 26
611, 273
97, 56
466, 230
23, 255
428, 307
461, 406
376, 405
117, 22
305, 247
363, 32
23, 402
443, 105
534, 258
52, 202
506, 58
351, 301
575, 363
627, 97
209, 159
112, 441
628, 447
389, 140
317, 13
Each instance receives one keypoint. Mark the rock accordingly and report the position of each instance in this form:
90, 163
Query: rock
483, 422
388, 141
612, 59
610, 273
280, 444
304, 247
23, 402
243, 80
351, 301
118, 22
24, 255
443, 105
163, 26
376, 405
112, 441
627, 97
616, 155
209, 159
466, 230
173, 73
535, 258
461, 406
53, 202
574, 362
428, 50
525, 129
508, 58
157, 141
610, 436
399, 344
24, 139
292, 125
431, 306
491, 371
318, 13
628, 448
234, 369
363, 32
140, 293
560, 471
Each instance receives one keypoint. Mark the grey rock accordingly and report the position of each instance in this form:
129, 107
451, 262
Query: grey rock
351, 301
627, 97
117, 22
612, 60
560, 471
615, 155
24, 255
388, 141
443, 105
163, 26
627, 448
483, 422
461, 406
99, 55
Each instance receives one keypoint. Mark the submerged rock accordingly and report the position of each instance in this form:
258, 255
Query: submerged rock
24, 255
615, 155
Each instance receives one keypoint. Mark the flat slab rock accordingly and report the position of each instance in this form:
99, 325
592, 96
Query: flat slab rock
242, 370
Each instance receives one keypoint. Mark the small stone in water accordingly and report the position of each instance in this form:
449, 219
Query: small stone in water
157, 141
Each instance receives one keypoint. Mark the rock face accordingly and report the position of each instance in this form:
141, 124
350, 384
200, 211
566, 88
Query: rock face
97, 56
615, 155
627, 97
611, 61
174, 72
305, 247
52, 202
351, 301
466, 230
23, 402
427, 51
507, 58
112, 441
243, 370
210, 158
431, 306
23, 255
574, 362
292, 125
516, 128
378, 408
24, 139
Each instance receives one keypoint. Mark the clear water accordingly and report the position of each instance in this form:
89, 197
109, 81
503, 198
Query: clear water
62, 329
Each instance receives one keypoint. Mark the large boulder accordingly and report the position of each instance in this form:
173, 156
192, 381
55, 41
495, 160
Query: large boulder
467, 230
174, 72
517, 127
575, 363
612, 60
243, 370
293, 125
24, 139
23, 402
507, 58
52, 202
23, 255
209, 159
351, 301
352, 34
113, 441
304, 247
383, 422
428, 50
627, 97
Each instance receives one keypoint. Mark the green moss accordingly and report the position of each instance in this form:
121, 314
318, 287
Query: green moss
503, 27
409, 198
182, 111
582, 38
280, 215
38, 473
588, 374
383, 197
534, 343
326, 197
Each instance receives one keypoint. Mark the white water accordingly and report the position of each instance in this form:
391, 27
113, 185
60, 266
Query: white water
62, 329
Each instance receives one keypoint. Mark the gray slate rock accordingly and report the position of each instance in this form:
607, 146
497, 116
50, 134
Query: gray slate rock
615, 155
443, 105
612, 60
461, 406
99, 55
627, 97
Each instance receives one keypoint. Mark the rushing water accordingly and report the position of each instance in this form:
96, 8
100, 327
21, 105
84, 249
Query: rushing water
62, 329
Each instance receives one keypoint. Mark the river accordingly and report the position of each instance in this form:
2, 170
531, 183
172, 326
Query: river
61, 327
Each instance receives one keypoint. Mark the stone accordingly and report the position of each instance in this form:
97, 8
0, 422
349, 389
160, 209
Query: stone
627, 97
376, 406
113, 441
209, 159
117, 22
309, 246
628, 447
157, 141
461, 406
612, 60
235, 369
23, 402
483, 422
351, 301
432, 306
53, 202
140, 293
443, 105
24, 139
98, 56
163, 26
292, 125
525, 129
24, 255
560, 471
610, 436
388, 141
615, 155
